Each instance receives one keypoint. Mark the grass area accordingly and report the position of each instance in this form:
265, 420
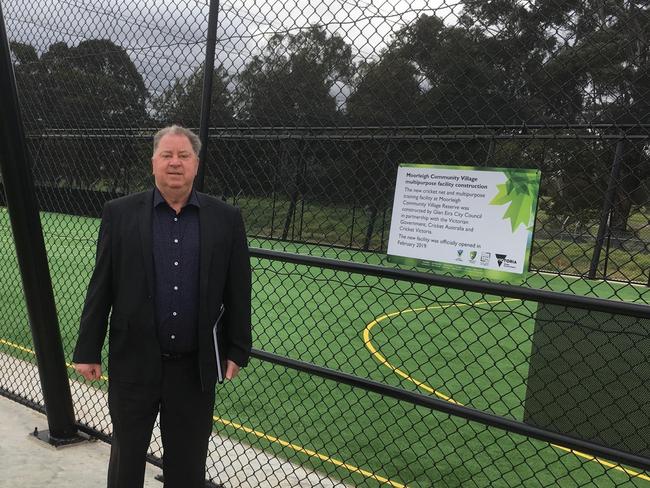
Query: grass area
575, 259
466, 347
340, 225
554, 251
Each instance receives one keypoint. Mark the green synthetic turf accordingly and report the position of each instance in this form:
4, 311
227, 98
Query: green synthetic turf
468, 347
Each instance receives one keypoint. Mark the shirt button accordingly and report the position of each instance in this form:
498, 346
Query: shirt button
173, 336
174, 314
175, 288
176, 241
175, 219
175, 263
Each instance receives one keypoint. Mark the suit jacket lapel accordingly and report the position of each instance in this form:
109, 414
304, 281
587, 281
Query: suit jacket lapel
207, 237
146, 236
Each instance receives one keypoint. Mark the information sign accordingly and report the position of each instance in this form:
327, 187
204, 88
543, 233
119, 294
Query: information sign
464, 220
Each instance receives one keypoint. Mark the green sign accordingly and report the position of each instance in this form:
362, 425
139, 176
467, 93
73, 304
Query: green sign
464, 220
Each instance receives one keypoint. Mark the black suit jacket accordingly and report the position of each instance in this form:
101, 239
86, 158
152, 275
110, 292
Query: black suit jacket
123, 284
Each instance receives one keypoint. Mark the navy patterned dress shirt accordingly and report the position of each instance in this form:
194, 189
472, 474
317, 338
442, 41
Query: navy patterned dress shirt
176, 247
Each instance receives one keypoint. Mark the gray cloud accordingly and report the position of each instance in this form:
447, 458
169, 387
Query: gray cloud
166, 39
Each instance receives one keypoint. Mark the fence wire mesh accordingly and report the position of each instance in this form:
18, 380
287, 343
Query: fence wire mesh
314, 105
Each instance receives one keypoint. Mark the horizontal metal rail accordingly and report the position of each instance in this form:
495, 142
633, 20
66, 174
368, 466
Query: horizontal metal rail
361, 137
467, 413
520, 127
465, 284
428, 137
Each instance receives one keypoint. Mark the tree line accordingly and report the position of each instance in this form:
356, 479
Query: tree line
505, 63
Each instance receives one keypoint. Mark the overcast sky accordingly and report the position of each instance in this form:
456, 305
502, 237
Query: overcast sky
166, 39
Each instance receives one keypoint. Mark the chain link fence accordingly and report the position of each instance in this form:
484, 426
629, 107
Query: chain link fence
313, 108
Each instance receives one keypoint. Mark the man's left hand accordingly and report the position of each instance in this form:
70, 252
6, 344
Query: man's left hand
232, 369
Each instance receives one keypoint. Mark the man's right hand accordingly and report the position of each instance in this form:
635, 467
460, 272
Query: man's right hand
89, 371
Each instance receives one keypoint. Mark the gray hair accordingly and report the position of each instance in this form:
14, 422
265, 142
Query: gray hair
179, 131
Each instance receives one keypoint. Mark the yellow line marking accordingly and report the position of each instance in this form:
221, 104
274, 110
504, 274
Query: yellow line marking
382, 360
589, 457
25, 349
309, 452
248, 430
406, 376
16, 346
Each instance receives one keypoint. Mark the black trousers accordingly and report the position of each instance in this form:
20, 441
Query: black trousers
185, 425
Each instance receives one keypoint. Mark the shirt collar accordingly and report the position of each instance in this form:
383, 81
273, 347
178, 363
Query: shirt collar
158, 198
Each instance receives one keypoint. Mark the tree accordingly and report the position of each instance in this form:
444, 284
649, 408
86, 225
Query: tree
28, 80
180, 103
470, 78
387, 92
596, 69
292, 82
23, 53
93, 85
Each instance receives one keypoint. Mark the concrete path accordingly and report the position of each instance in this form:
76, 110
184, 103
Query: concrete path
235, 464
26, 462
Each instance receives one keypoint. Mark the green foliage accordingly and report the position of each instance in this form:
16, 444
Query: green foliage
387, 92
291, 83
23, 53
180, 103
595, 67
94, 84
469, 76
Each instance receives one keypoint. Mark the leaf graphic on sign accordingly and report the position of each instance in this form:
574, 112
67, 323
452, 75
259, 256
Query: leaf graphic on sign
516, 192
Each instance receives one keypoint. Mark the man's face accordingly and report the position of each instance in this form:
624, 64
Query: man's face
174, 164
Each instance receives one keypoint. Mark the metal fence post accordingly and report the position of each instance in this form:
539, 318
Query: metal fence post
607, 208
32, 258
290, 220
206, 96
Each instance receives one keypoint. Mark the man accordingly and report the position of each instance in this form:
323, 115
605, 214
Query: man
167, 259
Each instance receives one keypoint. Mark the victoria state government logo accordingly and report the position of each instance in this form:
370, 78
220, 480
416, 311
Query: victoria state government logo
460, 254
503, 261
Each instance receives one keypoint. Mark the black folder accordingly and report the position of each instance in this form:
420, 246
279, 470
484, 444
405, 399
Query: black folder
221, 362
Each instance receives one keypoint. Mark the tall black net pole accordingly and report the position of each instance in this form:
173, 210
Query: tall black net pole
32, 259
607, 208
206, 97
